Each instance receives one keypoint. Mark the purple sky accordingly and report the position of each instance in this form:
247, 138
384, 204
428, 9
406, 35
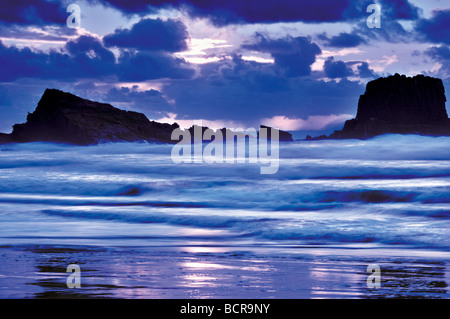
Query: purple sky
293, 64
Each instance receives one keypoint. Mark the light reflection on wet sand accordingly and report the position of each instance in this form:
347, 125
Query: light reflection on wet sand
40, 272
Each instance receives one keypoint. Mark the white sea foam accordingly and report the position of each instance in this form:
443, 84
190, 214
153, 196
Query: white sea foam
391, 190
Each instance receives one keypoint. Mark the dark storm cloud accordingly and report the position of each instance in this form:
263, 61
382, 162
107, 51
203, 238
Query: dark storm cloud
441, 54
336, 69
437, 28
391, 31
292, 55
365, 72
401, 9
221, 12
151, 34
390, 9
86, 57
131, 6
89, 55
141, 66
225, 12
20, 62
253, 76
392, 12
32, 12
344, 40
238, 11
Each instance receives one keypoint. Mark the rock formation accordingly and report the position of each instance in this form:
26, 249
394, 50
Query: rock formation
283, 136
399, 104
66, 118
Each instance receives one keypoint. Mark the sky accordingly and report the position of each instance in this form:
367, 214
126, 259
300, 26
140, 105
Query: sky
292, 64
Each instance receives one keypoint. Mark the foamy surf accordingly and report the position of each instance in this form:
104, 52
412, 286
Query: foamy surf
339, 204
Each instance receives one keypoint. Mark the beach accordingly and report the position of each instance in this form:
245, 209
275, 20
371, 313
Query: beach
140, 226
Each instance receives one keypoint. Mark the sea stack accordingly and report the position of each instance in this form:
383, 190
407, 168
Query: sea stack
401, 105
66, 118
283, 136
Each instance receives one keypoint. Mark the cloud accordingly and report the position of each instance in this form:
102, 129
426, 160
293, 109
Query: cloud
344, 40
33, 12
253, 75
400, 9
133, 6
392, 13
19, 62
86, 57
238, 11
365, 72
391, 31
152, 35
142, 66
271, 11
83, 57
436, 28
441, 54
28, 34
336, 69
293, 55
390, 10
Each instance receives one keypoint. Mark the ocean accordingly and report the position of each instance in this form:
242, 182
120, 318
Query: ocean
140, 226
